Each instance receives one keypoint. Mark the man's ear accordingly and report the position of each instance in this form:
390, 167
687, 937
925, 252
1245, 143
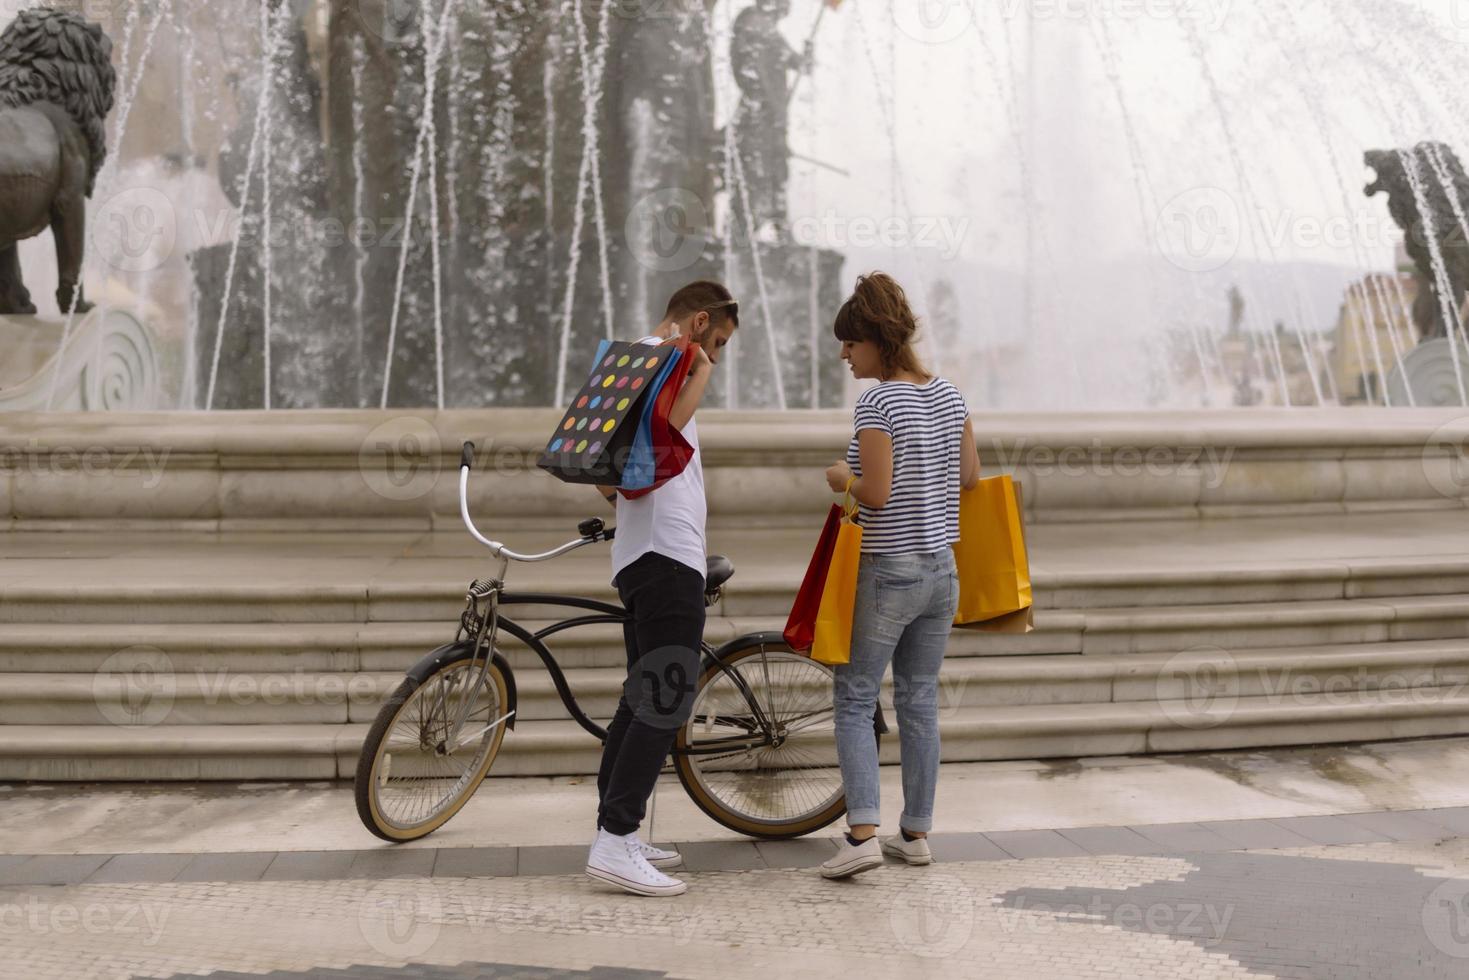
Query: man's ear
699, 326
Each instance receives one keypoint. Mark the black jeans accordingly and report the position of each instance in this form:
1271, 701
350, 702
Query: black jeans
666, 602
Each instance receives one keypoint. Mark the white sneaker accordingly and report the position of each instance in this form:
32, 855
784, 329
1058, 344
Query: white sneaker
657, 856
619, 861
852, 859
911, 851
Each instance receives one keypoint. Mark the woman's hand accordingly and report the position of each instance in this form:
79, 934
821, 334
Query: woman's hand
837, 477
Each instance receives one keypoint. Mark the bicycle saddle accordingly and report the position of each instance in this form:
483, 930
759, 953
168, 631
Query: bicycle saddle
719, 571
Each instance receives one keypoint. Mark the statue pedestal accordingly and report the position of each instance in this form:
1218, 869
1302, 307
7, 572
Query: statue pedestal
1429, 368
110, 364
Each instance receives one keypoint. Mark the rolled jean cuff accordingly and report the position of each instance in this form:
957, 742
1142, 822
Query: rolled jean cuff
915, 825
858, 817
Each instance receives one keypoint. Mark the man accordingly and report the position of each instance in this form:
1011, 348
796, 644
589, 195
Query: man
658, 568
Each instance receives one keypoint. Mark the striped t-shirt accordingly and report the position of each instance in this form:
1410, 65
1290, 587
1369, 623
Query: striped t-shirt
926, 423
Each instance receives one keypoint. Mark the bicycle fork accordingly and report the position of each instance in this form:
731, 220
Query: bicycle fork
487, 625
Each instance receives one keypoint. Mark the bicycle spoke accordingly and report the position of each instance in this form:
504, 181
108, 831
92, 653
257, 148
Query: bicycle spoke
792, 775
425, 776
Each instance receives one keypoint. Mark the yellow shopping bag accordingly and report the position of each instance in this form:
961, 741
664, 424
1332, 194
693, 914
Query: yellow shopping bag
833, 642
994, 570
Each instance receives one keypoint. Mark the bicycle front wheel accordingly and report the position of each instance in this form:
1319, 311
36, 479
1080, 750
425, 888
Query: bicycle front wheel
410, 781
758, 754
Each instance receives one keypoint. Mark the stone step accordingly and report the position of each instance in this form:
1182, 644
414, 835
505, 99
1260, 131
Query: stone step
235, 590
1237, 626
269, 647
324, 751
233, 697
396, 645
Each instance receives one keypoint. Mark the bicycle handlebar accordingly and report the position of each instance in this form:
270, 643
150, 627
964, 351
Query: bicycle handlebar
466, 463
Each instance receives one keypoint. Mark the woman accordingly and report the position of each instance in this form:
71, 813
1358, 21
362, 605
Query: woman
912, 450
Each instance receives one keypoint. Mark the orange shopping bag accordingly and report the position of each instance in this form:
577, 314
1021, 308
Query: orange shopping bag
833, 641
994, 569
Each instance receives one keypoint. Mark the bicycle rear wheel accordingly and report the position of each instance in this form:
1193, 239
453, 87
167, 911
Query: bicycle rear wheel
409, 781
773, 779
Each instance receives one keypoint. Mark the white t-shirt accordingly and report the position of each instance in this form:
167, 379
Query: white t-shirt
670, 520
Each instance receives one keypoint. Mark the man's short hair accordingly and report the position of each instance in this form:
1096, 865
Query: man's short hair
704, 297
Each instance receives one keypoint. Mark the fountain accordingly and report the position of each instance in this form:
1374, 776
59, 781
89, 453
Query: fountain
439, 203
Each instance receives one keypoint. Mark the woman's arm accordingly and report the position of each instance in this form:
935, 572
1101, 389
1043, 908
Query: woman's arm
875, 485
968, 459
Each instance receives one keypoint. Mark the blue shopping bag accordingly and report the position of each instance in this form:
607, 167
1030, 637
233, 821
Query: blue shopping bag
641, 469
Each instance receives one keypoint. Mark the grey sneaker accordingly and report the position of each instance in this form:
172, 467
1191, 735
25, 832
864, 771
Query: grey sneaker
911, 852
852, 860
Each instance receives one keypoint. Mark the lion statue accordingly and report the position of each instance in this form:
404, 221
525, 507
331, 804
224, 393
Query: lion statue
1428, 161
56, 89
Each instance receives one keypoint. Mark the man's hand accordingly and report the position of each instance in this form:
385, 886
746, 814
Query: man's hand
701, 359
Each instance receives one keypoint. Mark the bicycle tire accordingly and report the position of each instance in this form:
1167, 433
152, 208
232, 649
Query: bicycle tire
367, 780
707, 799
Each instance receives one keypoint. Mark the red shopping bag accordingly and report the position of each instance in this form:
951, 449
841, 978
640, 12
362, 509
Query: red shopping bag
800, 629
671, 451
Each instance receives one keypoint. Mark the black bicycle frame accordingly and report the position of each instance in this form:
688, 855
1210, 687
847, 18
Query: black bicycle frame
608, 613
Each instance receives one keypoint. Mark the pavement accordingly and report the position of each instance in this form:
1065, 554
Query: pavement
1331, 862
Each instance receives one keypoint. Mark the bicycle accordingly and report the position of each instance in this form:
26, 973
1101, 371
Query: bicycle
757, 754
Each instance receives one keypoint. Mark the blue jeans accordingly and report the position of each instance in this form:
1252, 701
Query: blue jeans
905, 611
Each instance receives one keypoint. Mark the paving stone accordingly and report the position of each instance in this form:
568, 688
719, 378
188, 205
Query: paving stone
805, 852
1034, 843
558, 859
309, 866
720, 856
426, 971
239, 866
141, 868
1277, 915
1329, 830
1111, 840
392, 863
1455, 818
1256, 833
1397, 825
965, 847
1182, 838
475, 862
8, 861
54, 869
